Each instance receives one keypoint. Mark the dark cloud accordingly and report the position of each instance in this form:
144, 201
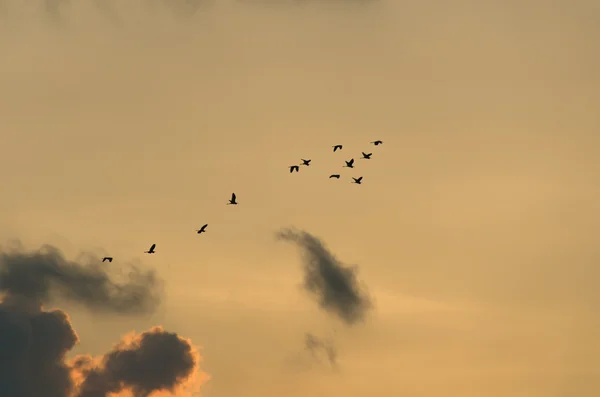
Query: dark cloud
317, 346
45, 275
34, 342
335, 285
155, 360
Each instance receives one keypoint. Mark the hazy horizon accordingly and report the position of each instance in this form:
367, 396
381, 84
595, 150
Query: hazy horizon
474, 232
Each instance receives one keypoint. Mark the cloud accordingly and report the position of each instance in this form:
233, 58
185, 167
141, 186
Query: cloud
155, 360
45, 275
335, 285
34, 342
316, 345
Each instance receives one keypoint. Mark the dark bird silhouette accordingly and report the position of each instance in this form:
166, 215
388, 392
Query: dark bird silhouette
366, 156
377, 143
202, 229
350, 163
294, 168
232, 200
305, 162
337, 176
336, 147
107, 258
151, 250
358, 180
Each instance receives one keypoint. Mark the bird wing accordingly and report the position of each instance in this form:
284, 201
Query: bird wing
152, 248
232, 196
359, 179
204, 227
364, 154
351, 161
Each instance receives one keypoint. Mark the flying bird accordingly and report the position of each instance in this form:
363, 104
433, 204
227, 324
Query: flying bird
366, 156
337, 176
350, 163
107, 258
202, 229
358, 180
232, 200
377, 143
294, 168
305, 162
151, 250
336, 147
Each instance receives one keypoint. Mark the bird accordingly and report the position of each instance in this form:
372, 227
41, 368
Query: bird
366, 156
358, 180
337, 176
232, 200
305, 162
350, 163
336, 147
294, 168
107, 258
151, 250
202, 229
377, 143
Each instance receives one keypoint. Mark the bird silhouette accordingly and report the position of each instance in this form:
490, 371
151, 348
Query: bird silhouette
305, 162
334, 176
107, 258
232, 200
377, 143
358, 180
294, 168
366, 156
202, 229
350, 163
151, 250
336, 147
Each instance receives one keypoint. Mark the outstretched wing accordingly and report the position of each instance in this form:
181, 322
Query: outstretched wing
152, 248
359, 179
351, 161
233, 196
204, 227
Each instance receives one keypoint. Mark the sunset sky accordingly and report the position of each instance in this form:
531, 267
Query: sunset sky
475, 230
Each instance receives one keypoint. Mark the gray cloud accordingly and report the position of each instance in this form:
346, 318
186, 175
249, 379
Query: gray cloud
45, 275
317, 346
335, 286
34, 342
155, 360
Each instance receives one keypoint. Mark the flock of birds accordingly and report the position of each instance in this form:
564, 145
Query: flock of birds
306, 162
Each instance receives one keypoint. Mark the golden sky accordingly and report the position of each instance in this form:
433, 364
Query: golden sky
475, 228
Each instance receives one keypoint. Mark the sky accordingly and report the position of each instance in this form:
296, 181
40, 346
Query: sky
473, 234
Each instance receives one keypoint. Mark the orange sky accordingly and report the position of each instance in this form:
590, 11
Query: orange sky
475, 228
